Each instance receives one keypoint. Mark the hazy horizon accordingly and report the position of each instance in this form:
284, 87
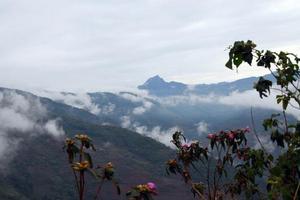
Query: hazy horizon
111, 45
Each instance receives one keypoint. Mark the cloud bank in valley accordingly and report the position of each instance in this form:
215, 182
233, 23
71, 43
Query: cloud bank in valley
236, 99
157, 133
78, 100
22, 116
141, 98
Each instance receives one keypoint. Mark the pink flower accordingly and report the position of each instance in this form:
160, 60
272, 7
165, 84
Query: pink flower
186, 146
230, 135
152, 187
247, 129
211, 136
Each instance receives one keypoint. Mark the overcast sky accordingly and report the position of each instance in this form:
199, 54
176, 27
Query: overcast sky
98, 45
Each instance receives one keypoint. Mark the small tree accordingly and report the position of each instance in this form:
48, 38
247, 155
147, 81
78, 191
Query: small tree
284, 173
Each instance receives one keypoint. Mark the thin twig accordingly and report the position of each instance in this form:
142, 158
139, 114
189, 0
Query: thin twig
208, 177
81, 185
199, 194
297, 190
99, 190
76, 180
254, 131
285, 122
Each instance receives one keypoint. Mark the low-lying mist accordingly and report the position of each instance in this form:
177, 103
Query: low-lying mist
22, 117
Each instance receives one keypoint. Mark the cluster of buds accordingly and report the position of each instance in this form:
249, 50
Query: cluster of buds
71, 149
109, 171
243, 153
143, 191
147, 188
172, 163
86, 141
191, 152
173, 167
229, 137
69, 142
83, 137
81, 166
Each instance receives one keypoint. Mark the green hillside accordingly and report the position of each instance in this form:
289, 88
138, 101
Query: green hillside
40, 169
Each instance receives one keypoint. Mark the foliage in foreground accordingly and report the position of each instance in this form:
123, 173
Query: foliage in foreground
229, 150
232, 168
283, 176
78, 148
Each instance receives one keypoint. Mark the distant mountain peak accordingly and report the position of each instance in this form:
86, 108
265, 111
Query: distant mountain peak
156, 77
154, 80
156, 85
159, 87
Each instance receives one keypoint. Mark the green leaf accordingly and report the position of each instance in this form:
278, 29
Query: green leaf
237, 61
263, 87
285, 102
229, 64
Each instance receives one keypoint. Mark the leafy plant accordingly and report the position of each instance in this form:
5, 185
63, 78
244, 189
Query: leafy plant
228, 150
142, 192
284, 174
81, 162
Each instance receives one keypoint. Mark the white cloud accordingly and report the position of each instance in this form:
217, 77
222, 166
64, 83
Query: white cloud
162, 136
142, 109
78, 100
202, 128
21, 117
190, 99
125, 121
236, 100
108, 109
132, 97
141, 98
53, 128
250, 98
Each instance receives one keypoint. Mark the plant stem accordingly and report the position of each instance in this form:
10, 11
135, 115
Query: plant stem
255, 133
99, 190
199, 194
81, 183
296, 193
208, 178
76, 180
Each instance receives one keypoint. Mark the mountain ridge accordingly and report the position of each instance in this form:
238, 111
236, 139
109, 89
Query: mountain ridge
157, 86
39, 169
